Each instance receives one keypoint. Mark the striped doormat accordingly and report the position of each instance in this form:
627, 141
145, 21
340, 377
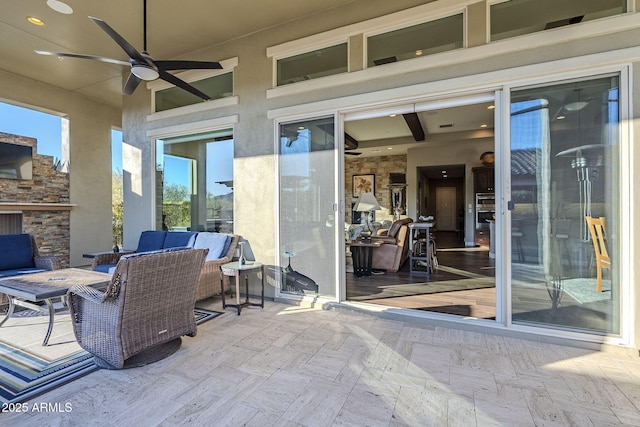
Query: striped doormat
24, 375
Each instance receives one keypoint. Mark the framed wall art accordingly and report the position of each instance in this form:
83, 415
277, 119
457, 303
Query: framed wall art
364, 184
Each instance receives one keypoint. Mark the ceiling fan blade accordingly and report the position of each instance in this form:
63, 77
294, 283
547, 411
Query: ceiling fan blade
187, 65
351, 153
125, 45
182, 84
77, 55
131, 84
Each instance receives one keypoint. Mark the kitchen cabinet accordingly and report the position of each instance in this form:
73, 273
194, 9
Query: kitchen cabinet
483, 179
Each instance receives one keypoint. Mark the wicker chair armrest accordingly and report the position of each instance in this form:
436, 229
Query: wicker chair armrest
108, 258
48, 262
87, 292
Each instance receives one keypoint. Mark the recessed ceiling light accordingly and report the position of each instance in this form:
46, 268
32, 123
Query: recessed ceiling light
561, 117
392, 115
483, 125
491, 107
375, 151
35, 21
59, 6
444, 172
389, 148
576, 106
418, 52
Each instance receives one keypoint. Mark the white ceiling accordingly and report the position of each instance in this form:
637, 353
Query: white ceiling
390, 135
175, 29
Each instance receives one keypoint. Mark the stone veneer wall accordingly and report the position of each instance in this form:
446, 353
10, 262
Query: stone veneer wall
381, 167
50, 228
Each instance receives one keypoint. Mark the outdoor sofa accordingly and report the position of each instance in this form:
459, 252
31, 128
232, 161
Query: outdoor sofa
221, 250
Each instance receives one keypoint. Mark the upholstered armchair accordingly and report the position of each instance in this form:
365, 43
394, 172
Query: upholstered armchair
394, 252
144, 312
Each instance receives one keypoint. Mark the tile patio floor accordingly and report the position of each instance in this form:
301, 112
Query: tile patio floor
294, 366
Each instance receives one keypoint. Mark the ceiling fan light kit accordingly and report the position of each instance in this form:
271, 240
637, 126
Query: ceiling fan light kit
145, 72
143, 66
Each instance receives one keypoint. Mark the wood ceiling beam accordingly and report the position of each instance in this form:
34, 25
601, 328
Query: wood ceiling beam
415, 126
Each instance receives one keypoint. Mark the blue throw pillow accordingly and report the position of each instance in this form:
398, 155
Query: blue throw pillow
151, 240
159, 251
215, 242
176, 239
16, 251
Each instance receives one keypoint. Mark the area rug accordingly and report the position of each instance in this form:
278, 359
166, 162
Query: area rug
24, 374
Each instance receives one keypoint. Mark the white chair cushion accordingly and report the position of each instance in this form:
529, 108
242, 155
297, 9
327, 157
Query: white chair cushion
216, 243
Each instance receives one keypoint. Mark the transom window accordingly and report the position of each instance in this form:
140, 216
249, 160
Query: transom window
518, 17
217, 87
312, 65
415, 41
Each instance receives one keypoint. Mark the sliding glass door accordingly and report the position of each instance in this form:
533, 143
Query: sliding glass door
307, 195
565, 169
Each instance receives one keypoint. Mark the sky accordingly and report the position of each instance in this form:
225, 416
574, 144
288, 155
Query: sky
47, 129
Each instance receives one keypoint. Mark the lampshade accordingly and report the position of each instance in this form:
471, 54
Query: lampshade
367, 202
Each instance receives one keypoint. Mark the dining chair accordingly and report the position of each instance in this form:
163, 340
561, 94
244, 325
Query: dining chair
598, 236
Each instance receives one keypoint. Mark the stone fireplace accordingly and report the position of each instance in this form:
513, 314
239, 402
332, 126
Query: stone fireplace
39, 206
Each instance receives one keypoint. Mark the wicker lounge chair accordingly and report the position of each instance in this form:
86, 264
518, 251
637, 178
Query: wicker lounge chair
144, 311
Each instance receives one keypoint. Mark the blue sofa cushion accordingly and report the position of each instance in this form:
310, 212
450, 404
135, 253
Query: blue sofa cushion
109, 268
18, 271
151, 240
104, 268
176, 239
215, 242
159, 251
17, 252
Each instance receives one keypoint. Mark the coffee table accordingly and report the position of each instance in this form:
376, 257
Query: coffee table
26, 290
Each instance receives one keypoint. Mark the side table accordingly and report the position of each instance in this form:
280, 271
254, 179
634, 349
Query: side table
236, 269
362, 254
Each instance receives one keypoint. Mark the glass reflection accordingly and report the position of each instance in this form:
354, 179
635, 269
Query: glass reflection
564, 170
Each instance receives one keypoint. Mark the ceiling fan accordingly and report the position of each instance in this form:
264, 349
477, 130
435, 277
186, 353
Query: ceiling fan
143, 66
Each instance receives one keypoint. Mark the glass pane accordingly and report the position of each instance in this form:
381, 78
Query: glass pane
307, 196
565, 168
517, 17
194, 182
424, 39
311, 65
216, 87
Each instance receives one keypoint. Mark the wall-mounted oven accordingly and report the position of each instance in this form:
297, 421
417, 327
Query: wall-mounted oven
485, 209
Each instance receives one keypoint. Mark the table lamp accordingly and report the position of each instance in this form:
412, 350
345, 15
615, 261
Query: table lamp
367, 203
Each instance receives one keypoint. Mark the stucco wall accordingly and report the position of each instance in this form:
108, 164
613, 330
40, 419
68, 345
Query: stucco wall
90, 125
255, 171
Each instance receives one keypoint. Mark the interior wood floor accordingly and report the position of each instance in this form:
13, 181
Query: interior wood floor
463, 284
